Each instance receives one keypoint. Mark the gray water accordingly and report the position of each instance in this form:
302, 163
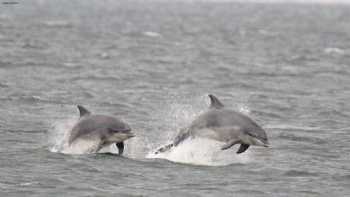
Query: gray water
152, 64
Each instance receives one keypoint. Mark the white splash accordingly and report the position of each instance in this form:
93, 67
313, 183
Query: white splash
244, 110
58, 134
202, 151
334, 51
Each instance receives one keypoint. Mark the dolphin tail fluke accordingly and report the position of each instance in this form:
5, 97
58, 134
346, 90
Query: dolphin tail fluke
242, 148
164, 148
183, 134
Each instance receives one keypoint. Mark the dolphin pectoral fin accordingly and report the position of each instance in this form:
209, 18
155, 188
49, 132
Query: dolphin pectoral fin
229, 144
83, 111
120, 146
242, 148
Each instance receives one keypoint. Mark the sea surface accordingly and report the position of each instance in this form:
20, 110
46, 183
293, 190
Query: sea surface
152, 64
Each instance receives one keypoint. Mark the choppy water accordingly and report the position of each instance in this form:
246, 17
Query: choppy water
152, 64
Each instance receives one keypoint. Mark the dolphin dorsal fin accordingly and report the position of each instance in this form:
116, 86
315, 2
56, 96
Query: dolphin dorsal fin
83, 111
214, 102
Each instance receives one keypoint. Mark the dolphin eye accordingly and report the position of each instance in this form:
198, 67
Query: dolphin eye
250, 134
120, 130
113, 130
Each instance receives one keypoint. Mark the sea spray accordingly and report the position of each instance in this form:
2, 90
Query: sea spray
58, 134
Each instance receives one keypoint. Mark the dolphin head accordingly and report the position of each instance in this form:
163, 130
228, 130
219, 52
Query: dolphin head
119, 135
256, 138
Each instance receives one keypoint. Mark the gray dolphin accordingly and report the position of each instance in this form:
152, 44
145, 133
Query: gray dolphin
103, 130
223, 125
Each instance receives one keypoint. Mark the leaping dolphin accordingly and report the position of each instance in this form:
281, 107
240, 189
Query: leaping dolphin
101, 129
223, 125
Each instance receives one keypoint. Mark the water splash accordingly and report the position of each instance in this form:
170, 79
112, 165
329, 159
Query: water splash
198, 151
244, 109
58, 134
177, 113
202, 151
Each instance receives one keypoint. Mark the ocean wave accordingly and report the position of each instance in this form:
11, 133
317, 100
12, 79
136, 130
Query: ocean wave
151, 34
57, 24
299, 173
3, 85
334, 51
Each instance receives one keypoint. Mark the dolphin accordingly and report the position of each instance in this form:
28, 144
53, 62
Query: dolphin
101, 129
223, 125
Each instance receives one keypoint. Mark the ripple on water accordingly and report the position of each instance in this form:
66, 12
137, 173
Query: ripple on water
3, 85
57, 24
293, 137
299, 173
343, 178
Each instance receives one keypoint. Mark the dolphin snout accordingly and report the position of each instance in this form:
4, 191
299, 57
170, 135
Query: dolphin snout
262, 142
130, 135
266, 144
126, 132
